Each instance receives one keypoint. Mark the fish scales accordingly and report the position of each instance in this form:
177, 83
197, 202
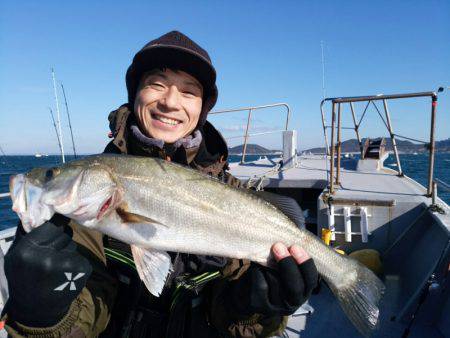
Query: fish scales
187, 197
157, 206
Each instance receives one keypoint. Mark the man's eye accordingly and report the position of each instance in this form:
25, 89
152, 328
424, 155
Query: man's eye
190, 93
156, 85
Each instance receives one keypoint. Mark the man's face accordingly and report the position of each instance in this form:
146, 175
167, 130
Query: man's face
168, 104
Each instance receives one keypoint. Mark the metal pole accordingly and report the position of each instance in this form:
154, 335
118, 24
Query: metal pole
58, 117
381, 97
56, 129
433, 125
288, 116
356, 128
434, 194
323, 71
70, 124
246, 135
333, 118
394, 144
339, 146
324, 128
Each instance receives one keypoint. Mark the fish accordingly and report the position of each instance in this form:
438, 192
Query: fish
158, 207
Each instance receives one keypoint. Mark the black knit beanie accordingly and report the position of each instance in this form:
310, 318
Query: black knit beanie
176, 51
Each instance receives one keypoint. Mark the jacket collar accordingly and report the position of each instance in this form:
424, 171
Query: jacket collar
212, 151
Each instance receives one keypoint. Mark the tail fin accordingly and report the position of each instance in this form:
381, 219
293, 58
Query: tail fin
359, 299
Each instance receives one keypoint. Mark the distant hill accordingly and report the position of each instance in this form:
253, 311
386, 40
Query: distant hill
403, 146
251, 149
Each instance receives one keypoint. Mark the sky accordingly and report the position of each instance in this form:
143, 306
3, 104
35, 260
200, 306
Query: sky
264, 52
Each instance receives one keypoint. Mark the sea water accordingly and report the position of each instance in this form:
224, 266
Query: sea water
414, 166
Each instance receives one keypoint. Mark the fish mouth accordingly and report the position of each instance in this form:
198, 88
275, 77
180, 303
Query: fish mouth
26, 199
17, 192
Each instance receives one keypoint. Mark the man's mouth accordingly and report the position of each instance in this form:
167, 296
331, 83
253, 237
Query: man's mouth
166, 120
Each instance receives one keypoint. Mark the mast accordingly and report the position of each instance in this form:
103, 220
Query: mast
70, 124
56, 129
58, 117
323, 71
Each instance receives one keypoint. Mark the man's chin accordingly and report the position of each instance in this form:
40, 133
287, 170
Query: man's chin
167, 137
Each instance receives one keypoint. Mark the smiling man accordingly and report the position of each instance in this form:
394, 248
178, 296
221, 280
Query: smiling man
171, 88
168, 104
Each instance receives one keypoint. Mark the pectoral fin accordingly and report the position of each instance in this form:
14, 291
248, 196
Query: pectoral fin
129, 217
153, 267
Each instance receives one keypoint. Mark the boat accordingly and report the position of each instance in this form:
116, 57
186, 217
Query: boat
363, 205
367, 205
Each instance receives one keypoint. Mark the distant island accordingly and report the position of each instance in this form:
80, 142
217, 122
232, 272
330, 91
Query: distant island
348, 146
408, 147
252, 149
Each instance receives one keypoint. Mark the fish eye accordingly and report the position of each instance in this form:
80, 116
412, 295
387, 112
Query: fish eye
51, 173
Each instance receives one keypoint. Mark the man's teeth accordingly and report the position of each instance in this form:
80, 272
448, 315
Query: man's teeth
166, 120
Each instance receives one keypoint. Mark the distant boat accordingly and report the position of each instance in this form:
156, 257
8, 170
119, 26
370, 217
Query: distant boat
38, 155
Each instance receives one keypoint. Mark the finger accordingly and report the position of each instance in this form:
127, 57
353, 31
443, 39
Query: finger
44, 234
291, 279
260, 291
310, 276
299, 254
70, 246
50, 235
280, 251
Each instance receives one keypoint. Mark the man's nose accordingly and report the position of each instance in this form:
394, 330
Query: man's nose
171, 99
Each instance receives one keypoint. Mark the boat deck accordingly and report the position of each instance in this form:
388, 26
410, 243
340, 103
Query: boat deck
311, 172
303, 324
400, 228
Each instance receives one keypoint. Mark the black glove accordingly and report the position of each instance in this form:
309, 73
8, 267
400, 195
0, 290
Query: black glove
45, 274
270, 292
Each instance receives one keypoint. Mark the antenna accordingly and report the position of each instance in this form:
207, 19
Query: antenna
56, 129
58, 118
323, 70
70, 124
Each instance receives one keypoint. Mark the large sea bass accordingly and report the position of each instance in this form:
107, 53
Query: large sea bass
157, 206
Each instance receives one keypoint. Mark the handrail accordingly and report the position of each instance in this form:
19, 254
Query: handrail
442, 185
378, 97
336, 105
6, 194
250, 110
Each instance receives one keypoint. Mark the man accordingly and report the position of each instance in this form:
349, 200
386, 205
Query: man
171, 89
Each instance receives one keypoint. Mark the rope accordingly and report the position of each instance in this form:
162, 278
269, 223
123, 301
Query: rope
257, 181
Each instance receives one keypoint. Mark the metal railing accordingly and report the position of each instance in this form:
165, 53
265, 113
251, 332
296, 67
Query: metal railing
249, 116
442, 185
333, 149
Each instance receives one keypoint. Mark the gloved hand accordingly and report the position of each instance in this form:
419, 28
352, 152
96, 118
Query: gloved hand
45, 274
275, 292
